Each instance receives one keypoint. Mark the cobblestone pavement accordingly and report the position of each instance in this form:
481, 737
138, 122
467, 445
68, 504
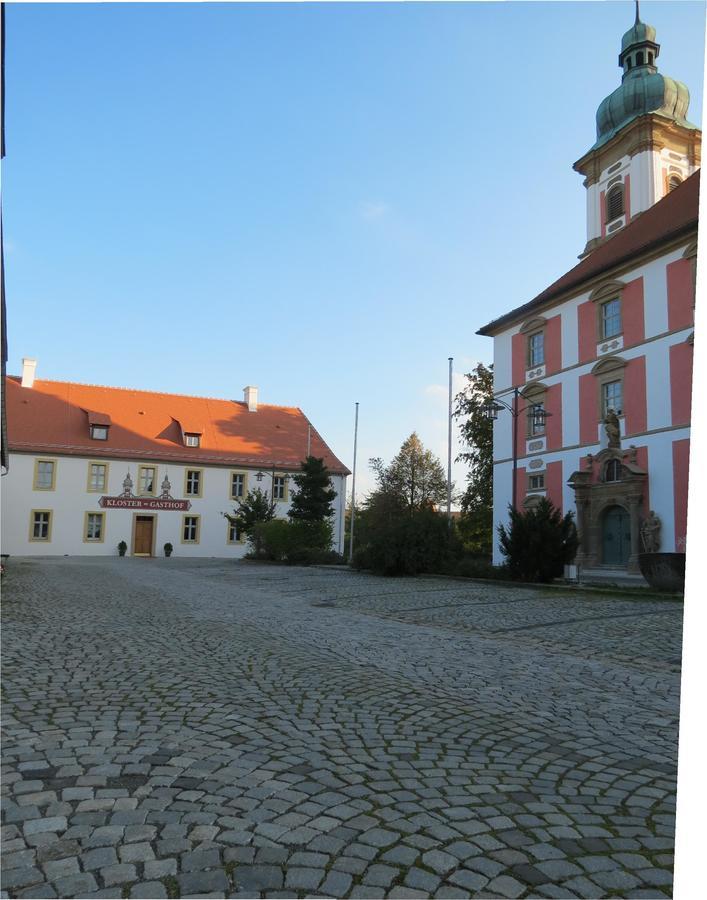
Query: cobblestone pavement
199, 728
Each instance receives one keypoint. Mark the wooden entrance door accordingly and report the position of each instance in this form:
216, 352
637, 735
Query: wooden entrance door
616, 537
143, 535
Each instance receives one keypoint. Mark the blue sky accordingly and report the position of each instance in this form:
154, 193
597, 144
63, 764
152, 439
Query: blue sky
324, 200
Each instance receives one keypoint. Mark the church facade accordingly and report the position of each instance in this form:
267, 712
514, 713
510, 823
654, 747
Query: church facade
91, 467
593, 377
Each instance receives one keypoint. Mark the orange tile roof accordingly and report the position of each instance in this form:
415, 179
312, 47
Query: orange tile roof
675, 214
53, 417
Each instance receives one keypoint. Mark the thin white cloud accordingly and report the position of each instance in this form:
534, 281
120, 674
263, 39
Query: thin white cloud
373, 209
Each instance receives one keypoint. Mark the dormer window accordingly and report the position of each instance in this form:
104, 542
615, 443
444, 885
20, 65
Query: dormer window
192, 440
98, 425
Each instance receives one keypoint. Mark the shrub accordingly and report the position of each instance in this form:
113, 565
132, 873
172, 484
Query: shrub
168, 548
408, 544
539, 542
296, 542
122, 548
479, 567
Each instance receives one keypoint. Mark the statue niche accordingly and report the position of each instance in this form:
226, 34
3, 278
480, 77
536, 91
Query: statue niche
650, 533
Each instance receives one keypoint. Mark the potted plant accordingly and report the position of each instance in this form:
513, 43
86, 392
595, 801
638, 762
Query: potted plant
122, 548
168, 549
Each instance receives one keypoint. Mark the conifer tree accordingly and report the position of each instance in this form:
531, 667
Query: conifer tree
314, 497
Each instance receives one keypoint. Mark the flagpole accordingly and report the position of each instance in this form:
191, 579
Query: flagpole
353, 487
449, 448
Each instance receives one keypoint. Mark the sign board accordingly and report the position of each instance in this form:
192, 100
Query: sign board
143, 503
128, 500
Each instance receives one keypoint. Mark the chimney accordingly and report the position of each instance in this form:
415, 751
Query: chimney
250, 397
29, 367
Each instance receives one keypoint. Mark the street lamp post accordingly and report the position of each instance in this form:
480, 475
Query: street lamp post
535, 412
260, 475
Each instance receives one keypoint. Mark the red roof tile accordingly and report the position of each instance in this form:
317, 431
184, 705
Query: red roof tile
53, 417
676, 214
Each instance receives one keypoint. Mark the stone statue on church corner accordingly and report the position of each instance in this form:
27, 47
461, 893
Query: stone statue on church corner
650, 533
612, 428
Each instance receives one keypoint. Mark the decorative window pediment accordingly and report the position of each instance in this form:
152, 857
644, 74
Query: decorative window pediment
609, 364
537, 323
690, 251
607, 291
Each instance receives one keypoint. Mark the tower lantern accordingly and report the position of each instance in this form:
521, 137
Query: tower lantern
644, 147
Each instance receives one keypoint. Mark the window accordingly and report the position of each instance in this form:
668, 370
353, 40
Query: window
192, 440
44, 474
673, 182
234, 535
536, 416
279, 488
192, 483
536, 349
612, 472
639, 58
612, 397
99, 432
536, 482
650, 59
97, 477
190, 530
40, 528
238, 481
146, 480
610, 318
93, 527
615, 203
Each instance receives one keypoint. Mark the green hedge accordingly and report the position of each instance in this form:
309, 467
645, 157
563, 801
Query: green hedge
408, 544
294, 542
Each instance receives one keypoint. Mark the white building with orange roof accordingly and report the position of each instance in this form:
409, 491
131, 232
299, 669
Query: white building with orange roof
92, 466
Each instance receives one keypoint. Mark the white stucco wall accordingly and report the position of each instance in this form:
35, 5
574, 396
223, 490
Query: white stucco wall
70, 500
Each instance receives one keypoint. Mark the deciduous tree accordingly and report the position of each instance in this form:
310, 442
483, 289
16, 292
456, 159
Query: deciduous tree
476, 429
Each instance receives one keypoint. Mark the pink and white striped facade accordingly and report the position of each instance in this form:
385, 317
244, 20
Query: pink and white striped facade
598, 367
654, 355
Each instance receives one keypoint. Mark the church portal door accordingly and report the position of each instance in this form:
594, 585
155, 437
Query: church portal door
616, 537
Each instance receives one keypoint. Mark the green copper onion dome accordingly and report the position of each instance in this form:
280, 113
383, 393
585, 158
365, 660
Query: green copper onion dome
643, 89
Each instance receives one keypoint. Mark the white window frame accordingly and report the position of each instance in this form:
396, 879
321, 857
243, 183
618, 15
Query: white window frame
189, 482
87, 518
146, 493
197, 529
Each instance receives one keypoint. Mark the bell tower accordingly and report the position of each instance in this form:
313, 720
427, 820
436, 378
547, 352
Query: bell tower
645, 145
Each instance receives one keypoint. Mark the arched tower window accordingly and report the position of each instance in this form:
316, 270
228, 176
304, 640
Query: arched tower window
673, 182
639, 58
615, 203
